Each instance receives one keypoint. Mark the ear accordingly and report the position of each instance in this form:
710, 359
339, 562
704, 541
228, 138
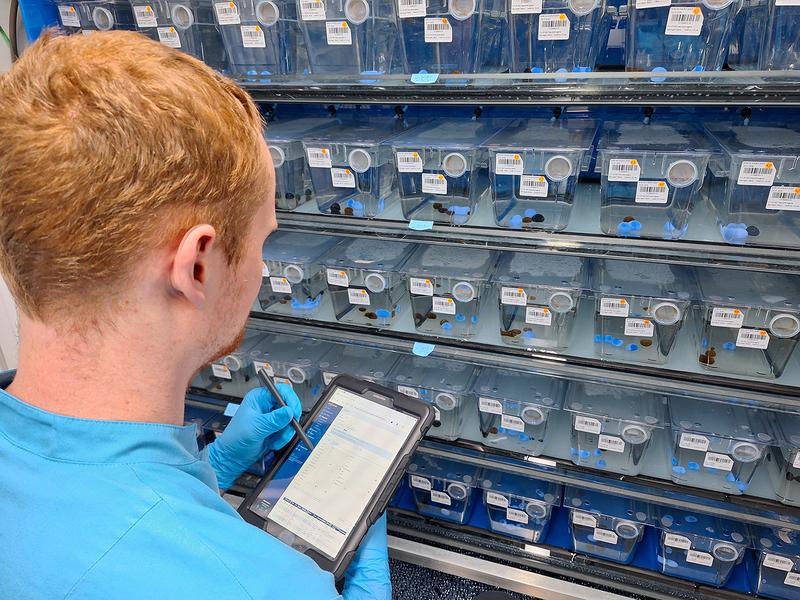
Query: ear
190, 265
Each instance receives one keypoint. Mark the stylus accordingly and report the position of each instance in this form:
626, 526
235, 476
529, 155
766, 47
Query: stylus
270, 385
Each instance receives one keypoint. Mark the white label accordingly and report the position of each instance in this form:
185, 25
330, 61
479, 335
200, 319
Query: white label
258, 365
410, 8
508, 164
514, 296
264, 269
778, 562
587, 424
512, 423
581, 518
336, 277
516, 515
727, 317
69, 16
490, 405
145, 16
343, 178
699, 558
752, 338
319, 157
312, 10
792, 579
328, 377
614, 307
496, 499
538, 315
433, 183
526, 7
440, 497
537, 551
169, 37
533, 186
253, 36
444, 305
652, 192
221, 371
640, 4
280, 285
611, 443
756, 173
787, 2
338, 33
409, 162
684, 20
624, 169
438, 30
605, 536
691, 441
421, 287
718, 461
639, 327
796, 461
420, 482
783, 197
227, 13
358, 296
677, 541
408, 391
553, 27
88, 32
437, 414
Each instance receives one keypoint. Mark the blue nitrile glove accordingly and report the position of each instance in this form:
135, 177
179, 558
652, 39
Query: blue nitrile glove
367, 577
258, 426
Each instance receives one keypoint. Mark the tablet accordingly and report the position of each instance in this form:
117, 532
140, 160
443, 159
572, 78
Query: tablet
322, 502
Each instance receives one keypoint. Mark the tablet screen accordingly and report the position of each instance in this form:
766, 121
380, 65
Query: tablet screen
320, 496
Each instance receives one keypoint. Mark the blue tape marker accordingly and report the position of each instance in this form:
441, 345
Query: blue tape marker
231, 409
424, 77
420, 225
421, 349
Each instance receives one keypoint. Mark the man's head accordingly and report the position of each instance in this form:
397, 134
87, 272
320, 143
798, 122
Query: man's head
132, 178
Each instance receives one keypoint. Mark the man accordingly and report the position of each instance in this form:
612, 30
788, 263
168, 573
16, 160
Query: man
136, 192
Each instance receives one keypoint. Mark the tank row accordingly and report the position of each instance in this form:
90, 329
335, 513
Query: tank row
260, 39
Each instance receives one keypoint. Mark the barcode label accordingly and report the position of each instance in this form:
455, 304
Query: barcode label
227, 13
611, 443
514, 296
336, 277
221, 371
684, 20
434, 184
641, 4
69, 17
781, 563
516, 515
526, 7
408, 391
444, 305
756, 173
312, 10
639, 327
253, 36
358, 296
677, 541
410, 8
784, 198
319, 157
440, 498
624, 169
792, 579
727, 317
511, 422
421, 287
614, 307
718, 461
581, 518
533, 186
264, 269
699, 558
438, 30
338, 33
258, 365
796, 461
553, 27
280, 285
490, 405
420, 482
752, 338
409, 162
652, 192
587, 424
605, 536
496, 499
691, 441
328, 377
538, 315
343, 178
508, 164
169, 37
145, 16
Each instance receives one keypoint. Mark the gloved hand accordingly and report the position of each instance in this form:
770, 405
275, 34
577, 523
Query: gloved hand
367, 577
257, 426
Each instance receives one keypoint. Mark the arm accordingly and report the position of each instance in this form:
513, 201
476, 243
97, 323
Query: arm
367, 577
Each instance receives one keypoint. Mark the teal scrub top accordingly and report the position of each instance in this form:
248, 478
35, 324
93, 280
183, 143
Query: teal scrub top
108, 509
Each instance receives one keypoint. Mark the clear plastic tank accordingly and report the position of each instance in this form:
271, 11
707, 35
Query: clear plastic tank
777, 574
781, 48
233, 374
102, 15
371, 364
443, 488
784, 457
747, 37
